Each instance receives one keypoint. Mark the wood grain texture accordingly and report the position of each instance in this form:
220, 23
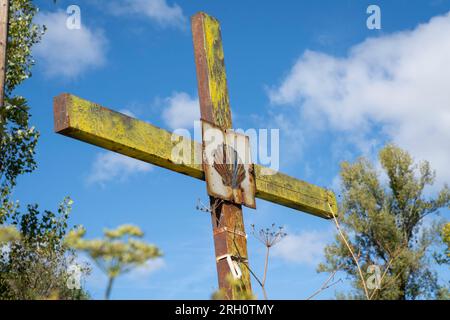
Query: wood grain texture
211, 75
92, 123
89, 122
215, 108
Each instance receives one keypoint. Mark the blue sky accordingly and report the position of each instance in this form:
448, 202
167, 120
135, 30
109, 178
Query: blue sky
334, 88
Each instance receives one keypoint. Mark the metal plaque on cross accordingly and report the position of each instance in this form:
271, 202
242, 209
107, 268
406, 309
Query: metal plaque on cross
228, 166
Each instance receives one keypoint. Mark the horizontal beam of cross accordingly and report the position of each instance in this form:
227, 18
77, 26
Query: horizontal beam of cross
89, 122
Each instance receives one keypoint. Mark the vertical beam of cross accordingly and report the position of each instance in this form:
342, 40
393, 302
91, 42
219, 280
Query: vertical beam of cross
227, 218
4, 12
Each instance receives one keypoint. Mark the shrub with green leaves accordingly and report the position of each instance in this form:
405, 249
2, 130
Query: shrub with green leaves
8, 234
17, 137
36, 262
384, 225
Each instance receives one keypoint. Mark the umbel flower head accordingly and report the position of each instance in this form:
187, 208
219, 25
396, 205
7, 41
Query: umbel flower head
118, 252
269, 236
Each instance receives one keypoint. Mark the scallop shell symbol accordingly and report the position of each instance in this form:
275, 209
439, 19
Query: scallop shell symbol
229, 166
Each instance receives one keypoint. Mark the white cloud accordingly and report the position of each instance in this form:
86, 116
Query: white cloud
156, 10
181, 111
109, 166
304, 248
293, 138
66, 52
395, 86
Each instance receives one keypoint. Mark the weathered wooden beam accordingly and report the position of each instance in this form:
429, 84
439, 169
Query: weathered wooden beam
227, 217
89, 122
92, 123
294, 193
211, 75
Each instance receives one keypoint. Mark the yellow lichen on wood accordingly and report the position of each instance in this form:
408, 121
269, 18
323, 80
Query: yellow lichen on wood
216, 72
89, 122
215, 107
294, 193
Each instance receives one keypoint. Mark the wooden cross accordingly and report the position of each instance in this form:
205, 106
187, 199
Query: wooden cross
94, 124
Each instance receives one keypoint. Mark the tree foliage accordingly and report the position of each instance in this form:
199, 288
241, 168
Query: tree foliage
8, 234
34, 261
35, 264
117, 253
17, 138
384, 225
446, 237
444, 257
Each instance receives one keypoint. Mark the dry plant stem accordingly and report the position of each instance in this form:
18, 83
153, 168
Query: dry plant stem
366, 292
381, 281
382, 277
269, 239
246, 264
351, 252
109, 287
325, 285
250, 269
266, 263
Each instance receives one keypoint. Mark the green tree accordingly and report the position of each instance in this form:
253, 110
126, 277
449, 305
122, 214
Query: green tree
444, 257
444, 293
383, 226
446, 237
117, 253
17, 137
36, 263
